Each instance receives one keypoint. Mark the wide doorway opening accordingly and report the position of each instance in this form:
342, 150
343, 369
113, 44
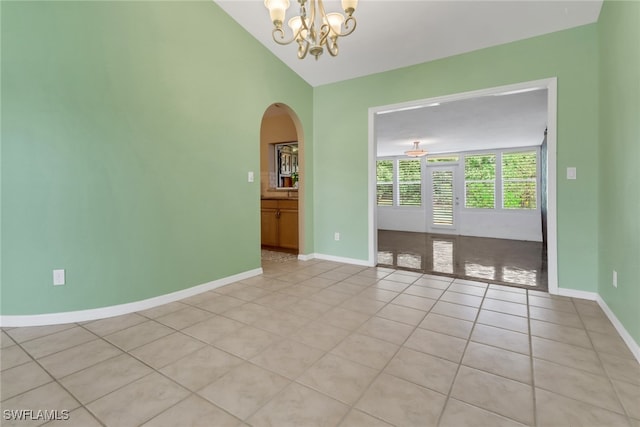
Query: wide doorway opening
476, 199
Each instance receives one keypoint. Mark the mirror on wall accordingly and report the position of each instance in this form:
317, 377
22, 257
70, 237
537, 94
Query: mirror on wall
286, 165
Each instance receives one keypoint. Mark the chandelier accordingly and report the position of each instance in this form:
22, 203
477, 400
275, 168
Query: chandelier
416, 151
313, 29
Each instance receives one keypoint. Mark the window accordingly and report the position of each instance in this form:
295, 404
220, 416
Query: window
480, 181
519, 180
384, 178
409, 183
399, 182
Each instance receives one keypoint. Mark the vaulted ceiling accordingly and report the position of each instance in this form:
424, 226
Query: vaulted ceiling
395, 34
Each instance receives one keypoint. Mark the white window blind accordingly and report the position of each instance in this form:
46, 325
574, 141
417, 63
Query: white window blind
409, 182
442, 197
384, 178
480, 181
519, 180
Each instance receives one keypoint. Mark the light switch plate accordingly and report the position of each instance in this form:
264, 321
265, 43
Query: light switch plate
250, 177
571, 173
58, 277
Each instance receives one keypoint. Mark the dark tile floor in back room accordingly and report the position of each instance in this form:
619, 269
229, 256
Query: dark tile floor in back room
500, 261
319, 343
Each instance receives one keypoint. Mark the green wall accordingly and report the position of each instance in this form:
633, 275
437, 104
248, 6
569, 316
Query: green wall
128, 129
341, 132
619, 227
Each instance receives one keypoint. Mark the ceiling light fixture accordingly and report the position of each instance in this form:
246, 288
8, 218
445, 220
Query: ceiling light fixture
416, 151
313, 29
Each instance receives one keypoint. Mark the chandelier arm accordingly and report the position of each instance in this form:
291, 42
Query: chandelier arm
308, 28
332, 46
279, 36
347, 26
321, 10
325, 30
303, 48
312, 22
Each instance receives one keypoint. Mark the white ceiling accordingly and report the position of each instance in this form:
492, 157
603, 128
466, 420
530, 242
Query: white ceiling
487, 122
392, 33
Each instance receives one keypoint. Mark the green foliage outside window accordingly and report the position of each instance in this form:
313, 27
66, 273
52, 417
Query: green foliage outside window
384, 178
443, 159
480, 181
409, 182
519, 172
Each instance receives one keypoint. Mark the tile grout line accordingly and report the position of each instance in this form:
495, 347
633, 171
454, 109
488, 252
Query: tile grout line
455, 376
157, 371
609, 379
57, 380
294, 381
400, 346
351, 332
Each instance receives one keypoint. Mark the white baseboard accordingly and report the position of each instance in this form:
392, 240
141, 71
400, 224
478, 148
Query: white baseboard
344, 260
573, 293
117, 310
306, 257
628, 339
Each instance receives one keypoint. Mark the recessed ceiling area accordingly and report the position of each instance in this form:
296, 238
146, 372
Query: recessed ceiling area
395, 34
488, 122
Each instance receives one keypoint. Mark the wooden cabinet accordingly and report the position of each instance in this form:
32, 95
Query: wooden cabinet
269, 223
279, 223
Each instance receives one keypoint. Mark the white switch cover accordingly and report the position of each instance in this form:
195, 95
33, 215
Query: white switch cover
336, 236
571, 173
58, 277
250, 177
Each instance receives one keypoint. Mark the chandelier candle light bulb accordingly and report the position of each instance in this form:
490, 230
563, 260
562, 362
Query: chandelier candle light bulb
312, 30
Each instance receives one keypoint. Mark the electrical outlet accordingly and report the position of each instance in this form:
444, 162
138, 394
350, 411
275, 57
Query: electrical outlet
615, 279
336, 236
58, 277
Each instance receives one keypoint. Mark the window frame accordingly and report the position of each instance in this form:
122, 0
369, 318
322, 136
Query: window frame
499, 186
396, 182
393, 174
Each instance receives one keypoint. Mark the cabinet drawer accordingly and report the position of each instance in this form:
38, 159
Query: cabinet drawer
269, 204
288, 204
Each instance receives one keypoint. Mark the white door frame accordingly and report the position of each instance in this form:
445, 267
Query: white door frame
551, 84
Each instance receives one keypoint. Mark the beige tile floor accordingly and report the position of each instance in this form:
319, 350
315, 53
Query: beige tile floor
318, 343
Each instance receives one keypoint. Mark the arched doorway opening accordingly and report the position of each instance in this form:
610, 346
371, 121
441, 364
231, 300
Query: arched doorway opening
282, 169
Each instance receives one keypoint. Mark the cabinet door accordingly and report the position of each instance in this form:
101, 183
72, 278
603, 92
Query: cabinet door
288, 226
269, 227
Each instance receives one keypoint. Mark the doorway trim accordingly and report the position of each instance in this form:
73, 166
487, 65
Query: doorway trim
551, 84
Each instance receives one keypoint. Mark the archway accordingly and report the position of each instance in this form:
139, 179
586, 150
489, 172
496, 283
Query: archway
282, 180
